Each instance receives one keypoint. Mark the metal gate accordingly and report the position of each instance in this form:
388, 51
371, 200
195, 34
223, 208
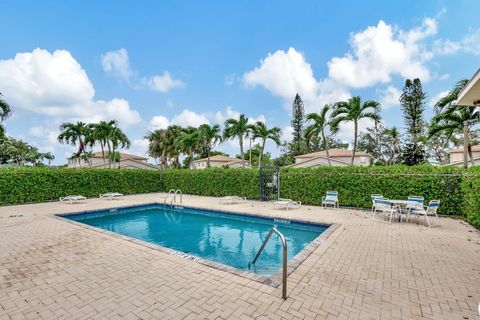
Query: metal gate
269, 183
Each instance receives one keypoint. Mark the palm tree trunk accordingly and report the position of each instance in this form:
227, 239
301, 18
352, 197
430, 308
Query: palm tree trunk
109, 154
103, 153
208, 157
355, 132
260, 156
251, 153
470, 154
241, 150
325, 146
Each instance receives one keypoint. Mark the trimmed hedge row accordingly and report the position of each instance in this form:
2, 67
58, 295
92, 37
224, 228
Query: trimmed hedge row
459, 190
355, 185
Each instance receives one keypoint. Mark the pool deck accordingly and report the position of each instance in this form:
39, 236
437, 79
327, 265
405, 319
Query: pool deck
54, 269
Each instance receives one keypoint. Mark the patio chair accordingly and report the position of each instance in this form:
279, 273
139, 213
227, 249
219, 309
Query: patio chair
73, 198
232, 199
429, 210
286, 203
385, 206
330, 199
373, 197
111, 195
415, 202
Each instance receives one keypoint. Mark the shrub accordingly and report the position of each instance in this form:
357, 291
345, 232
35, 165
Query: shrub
471, 190
356, 184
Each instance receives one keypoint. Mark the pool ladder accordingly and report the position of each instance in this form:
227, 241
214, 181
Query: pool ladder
284, 260
174, 198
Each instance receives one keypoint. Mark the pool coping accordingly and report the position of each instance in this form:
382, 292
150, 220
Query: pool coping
274, 280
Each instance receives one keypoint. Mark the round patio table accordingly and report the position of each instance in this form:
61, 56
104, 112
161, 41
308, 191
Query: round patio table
399, 204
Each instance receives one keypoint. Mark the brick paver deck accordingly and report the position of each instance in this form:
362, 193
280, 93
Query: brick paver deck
53, 269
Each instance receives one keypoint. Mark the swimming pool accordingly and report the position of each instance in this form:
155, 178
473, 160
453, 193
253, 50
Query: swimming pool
225, 238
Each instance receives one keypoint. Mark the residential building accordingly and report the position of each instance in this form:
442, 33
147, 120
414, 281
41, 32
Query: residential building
219, 161
456, 157
338, 157
127, 161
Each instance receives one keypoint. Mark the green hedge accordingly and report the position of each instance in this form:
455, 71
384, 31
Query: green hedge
356, 184
458, 190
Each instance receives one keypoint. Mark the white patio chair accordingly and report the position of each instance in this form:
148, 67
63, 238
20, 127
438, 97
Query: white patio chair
232, 199
286, 203
415, 202
330, 199
385, 206
373, 197
111, 195
429, 210
73, 198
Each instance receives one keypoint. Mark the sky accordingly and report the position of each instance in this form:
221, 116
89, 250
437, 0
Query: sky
150, 64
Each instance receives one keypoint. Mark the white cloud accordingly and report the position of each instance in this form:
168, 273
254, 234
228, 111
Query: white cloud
55, 85
230, 113
116, 62
287, 134
470, 43
285, 74
159, 122
437, 97
163, 83
444, 76
380, 51
389, 97
189, 118
230, 79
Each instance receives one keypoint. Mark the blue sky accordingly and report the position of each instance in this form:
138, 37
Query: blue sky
149, 64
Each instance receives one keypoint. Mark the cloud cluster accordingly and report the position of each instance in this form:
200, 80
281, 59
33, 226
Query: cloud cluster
55, 85
117, 64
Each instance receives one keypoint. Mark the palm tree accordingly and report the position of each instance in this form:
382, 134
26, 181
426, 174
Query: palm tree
100, 133
209, 135
452, 96
354, 110
260, 130
319, 124
237, 128
189, 142
119, 140
5, 109
393, 136
172, 144
74, 134
49, 156
451, 120
157, 146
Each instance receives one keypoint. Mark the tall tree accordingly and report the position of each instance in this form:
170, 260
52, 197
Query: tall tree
49, 156
209, 135
157, 146
412, 101
237, 128
354, 110
262, 132
189, 143
298, 122
74, 134
100, 133
119, 140
5, 112
319, 123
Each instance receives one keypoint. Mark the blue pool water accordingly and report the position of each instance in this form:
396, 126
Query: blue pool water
229, 239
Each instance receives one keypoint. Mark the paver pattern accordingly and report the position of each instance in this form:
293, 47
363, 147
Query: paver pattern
51, 268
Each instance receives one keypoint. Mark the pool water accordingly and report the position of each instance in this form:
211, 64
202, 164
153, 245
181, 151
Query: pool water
229, 239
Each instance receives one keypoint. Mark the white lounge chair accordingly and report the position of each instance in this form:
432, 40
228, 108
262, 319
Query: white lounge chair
286, 203
430, 210
111, 195
385, 206
72, 199
330, 199
232, 199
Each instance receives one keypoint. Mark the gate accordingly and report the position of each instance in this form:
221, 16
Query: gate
269, 183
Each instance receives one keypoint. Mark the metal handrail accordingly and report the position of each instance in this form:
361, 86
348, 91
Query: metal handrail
284, 264
168, 195
174, 199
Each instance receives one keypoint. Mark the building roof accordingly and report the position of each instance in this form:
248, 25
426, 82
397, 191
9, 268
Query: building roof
123, 155
220, 158
128, 162
471, 92
475, 148
332, 153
